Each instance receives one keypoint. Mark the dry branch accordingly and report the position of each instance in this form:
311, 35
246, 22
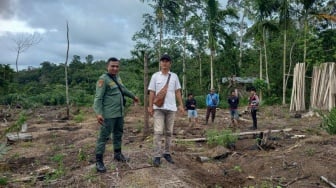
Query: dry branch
328, 182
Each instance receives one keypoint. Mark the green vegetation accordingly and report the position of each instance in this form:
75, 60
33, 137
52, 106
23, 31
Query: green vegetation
3, 180
223, 138
329, 122
3, 150
79, 117
60, 171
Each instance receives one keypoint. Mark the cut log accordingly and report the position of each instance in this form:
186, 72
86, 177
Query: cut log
238, 134
12, 137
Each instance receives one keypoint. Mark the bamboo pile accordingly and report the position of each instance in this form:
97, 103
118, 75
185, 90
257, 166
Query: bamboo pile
298, 91
323, 90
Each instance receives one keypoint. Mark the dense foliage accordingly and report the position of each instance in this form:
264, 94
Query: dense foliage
207, 41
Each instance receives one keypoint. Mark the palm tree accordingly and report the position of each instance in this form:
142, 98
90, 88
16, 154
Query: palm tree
214, 17
166, 14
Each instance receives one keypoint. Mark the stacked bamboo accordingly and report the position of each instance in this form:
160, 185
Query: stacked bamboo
323, 90
298, 91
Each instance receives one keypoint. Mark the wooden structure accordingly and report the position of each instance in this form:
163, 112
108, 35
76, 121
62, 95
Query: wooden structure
298, 91
323, 89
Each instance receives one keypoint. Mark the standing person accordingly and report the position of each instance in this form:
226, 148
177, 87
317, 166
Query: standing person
212, 101
233, 101
253, 106
109, 105
164, 116
191, 108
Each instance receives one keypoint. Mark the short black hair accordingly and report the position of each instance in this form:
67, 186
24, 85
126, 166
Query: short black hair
189, 94
165, 57
112, 59
253, 89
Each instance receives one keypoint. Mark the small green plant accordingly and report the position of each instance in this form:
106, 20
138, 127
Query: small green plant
82, 156
58, 158
223, 138
60, 171
3, 149
329, 121
79, 117
16, 127
310, 151
3, 180
237, 168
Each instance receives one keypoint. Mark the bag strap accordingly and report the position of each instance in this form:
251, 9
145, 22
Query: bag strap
167, 81
115, 81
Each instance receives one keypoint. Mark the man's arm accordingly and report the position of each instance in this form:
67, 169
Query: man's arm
150, 102
98, 101
179, 100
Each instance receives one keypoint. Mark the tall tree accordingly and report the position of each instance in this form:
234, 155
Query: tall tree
66, 72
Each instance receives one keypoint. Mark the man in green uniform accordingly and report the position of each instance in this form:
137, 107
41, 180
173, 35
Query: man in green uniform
109, 104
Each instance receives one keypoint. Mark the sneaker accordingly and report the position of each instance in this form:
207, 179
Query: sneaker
100, 167
121, 158
156, 161
168, 158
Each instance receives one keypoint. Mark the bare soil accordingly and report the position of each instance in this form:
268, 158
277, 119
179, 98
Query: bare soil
61, 153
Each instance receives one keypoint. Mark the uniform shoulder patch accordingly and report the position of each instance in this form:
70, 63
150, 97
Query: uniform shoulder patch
100, 83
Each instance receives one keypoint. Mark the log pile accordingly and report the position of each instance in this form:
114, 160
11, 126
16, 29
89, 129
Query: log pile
323, 90
298, 95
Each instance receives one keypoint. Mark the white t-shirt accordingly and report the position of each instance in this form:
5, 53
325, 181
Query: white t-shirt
158, 81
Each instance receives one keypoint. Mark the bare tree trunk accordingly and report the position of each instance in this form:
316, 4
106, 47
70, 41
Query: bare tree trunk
184, 80
241, 40
260, 64
146, 117
66, 74
22, 43
284, 68
160, 45
211, 68
266, 62
16, 61
200, 72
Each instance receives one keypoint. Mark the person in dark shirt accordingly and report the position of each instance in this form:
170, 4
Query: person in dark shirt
190, 105
233, 101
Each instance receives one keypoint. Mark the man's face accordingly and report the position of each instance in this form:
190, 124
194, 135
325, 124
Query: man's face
165, 64
113, 67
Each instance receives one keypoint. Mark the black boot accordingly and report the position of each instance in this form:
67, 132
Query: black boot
120, 157
100, 164
157, 161
168, 158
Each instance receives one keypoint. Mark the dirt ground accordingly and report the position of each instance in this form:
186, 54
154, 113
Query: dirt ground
61, 153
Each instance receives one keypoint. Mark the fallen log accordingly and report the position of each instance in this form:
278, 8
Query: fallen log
238, 134
12, 137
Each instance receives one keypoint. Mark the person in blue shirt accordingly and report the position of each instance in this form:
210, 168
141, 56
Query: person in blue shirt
212, 101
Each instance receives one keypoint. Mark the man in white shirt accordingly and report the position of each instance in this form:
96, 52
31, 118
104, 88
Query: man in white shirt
164, 116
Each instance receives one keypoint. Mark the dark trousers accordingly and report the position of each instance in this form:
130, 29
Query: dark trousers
211, 110
254, 118
114, 126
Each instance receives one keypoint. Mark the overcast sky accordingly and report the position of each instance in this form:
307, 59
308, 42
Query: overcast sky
102, 28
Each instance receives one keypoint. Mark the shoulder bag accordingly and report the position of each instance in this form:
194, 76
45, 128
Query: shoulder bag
161, 95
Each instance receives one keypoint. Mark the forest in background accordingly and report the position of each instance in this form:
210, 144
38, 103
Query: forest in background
252, 38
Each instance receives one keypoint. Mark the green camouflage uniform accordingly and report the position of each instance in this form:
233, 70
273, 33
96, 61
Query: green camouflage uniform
108, 102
